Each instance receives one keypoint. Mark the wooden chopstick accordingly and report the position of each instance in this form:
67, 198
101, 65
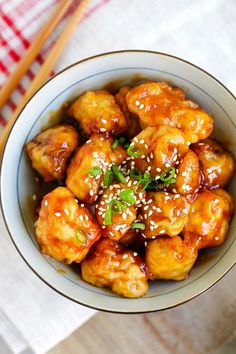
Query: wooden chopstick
32, 52
46, 67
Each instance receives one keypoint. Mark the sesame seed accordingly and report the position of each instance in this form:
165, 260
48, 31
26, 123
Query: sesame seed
174, 190
66, 211
146, 146
141, 141
149, 201
86, 217
143, 156
136, 139
76, 200
185, 210
104, 120
145, 243
175, 158
103, 226
86, 180
116, 264
145, 216
150, 213
149, 168
125, 256
46, 203
102, 139
175, 151
153, 237
88, 141
188, 143
135, 254
91, 193
152, 222
151, 155
167, 198
184, 173
57, 214
34, 196
176, 196
158, 210
167, 165
137, 102
124, 215
158, 169
103, 130
162, 231
148, 159
146, 207
141, 106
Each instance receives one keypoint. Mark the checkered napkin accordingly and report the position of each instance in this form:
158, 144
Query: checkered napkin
32, 315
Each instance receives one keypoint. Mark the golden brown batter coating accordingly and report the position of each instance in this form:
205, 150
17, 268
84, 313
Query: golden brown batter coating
164, 214
95, 156
112, 265
50, 150
157, 103
170, 258
217, 165
65, 230
97, 111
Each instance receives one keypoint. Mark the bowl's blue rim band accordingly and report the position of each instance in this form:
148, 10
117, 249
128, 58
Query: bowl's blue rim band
43, 111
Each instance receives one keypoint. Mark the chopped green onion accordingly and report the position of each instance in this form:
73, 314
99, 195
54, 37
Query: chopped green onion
108, 217
138, 225
153, 185
136, 174
81, 236
115, 144
108, 178
146, 175
117, 206
118, 174
126, 145
128, 196
122, 140
134, 151
95, 171
168, 174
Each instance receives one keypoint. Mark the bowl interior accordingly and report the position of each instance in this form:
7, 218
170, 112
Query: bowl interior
18, 184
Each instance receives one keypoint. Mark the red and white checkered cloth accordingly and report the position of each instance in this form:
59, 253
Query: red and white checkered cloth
20, 21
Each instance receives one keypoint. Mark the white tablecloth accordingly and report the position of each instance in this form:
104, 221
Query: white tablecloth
33, 317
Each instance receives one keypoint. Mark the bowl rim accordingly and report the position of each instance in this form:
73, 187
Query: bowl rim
104, 54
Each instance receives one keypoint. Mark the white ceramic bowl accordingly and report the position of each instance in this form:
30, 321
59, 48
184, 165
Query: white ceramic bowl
18, 185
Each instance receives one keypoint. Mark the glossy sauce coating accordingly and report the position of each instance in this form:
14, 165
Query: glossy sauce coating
65, 230
164, 214
50, 150
170, 258
209, 218
217, 165
157, 103
96, 152
97, 111
112, 265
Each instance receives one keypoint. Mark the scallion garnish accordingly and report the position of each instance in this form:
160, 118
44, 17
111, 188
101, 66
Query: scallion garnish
167, 175
138, 225
118, 175
117, 206
95, 171
128, 196
108, 217
136, 174
115, 144
134, 151
81, 236
108, 178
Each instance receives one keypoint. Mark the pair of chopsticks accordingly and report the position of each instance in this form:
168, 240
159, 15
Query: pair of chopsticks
48, 64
